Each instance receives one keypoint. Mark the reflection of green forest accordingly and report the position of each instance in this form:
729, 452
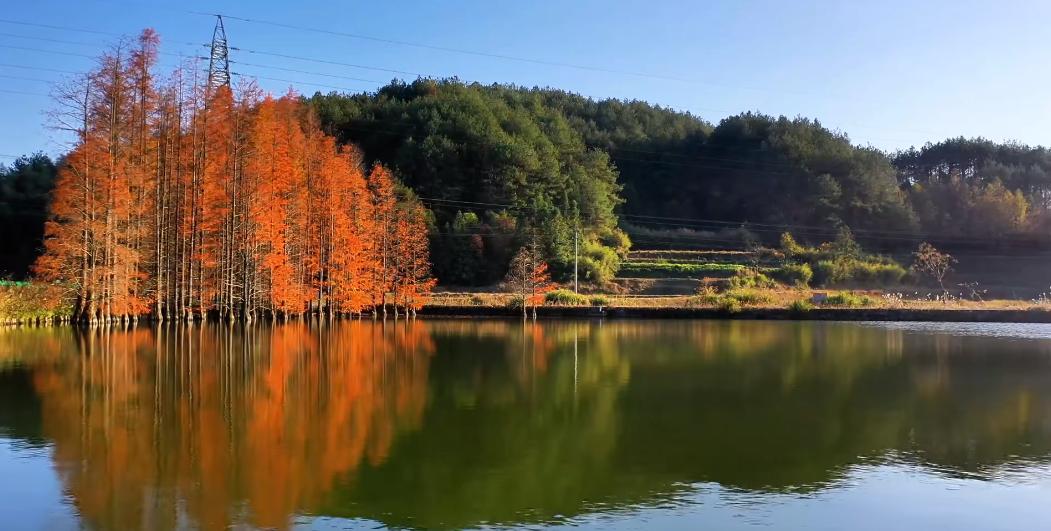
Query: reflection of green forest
459, 423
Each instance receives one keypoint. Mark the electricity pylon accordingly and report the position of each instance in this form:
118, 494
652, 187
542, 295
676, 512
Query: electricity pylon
219, 62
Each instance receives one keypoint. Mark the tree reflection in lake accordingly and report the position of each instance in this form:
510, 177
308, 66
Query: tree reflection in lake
461, 423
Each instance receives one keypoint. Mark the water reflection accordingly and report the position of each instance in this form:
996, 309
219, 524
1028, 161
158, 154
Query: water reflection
446, 424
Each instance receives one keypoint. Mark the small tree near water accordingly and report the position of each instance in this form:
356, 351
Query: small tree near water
528, 277
930, 262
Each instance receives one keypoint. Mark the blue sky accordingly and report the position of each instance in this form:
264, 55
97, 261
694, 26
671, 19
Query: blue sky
889, 73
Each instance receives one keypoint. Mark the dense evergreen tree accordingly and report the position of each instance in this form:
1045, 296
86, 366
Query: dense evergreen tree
24, 189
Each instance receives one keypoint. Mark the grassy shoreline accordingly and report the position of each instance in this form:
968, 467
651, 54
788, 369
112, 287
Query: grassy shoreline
776, 303
767, 304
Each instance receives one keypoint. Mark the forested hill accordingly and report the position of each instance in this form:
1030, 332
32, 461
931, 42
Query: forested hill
464, 142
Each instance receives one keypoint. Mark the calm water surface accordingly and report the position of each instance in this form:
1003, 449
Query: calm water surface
482, 424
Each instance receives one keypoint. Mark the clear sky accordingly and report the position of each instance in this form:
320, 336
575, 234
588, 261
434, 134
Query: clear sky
890, 73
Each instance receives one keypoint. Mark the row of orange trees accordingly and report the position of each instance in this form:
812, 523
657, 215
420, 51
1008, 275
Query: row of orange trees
180, 200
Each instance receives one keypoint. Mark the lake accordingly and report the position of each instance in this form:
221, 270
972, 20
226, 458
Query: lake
449, 424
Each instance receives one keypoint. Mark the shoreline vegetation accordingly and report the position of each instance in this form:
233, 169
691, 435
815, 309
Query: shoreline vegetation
23, 304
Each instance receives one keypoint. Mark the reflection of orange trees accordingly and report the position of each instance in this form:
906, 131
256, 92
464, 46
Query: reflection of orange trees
156, 427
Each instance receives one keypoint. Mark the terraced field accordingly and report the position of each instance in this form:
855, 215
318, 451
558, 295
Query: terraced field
679, 272
702, 264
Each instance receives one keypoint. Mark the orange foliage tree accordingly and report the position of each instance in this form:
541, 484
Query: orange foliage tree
529, 278
179, 200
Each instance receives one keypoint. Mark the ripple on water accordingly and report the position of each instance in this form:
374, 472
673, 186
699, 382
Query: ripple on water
998, 330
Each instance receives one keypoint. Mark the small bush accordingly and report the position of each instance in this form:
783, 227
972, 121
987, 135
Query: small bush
706, 296
33, 300
599, 264
795, 274
850, 300
599, 300
565, 297
477, 300
729, 305
891, 274
748, 278
790, 247
747, 296
824, 272
516, 302
617, 240
800, 306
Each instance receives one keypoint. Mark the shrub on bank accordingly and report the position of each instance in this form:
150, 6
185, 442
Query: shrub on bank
873, 272
794, 274
841, 261
848, 299
598, 263
749, 278
729, 305
747, 297
26, 301
732, 299
516, 301
599, 300
800, 306
565, 297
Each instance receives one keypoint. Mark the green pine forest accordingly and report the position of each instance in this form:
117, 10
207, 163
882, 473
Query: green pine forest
499, 166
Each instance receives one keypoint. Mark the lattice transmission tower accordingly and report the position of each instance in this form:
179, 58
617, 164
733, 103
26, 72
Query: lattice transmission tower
219, 62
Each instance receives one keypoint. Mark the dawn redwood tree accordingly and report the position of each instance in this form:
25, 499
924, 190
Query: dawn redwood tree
412, 268
181, 200
384, 202
340, 258
529, 277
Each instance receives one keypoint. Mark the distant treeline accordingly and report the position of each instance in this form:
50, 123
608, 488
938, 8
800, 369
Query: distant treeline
554, 155
502, 165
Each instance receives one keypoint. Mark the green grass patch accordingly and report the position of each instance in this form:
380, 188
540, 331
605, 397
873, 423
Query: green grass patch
599, 300
732, 299
848, 299
565, 297
749, 278
660, 268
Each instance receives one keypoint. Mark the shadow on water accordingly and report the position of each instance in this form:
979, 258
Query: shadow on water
446, 424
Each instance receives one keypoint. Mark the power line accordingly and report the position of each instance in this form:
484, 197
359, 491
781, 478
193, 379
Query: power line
42, 69
326, 61
58, 41
271, 67
62, 28
27, 49
25, 93
5, 76
253, 76
449, 49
